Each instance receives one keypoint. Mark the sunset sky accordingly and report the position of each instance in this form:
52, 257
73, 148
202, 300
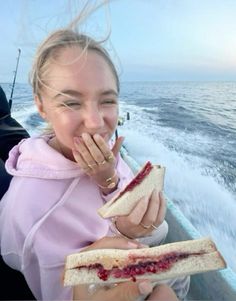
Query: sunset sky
150, 40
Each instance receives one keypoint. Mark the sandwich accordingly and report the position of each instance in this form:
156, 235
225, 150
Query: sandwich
148, 178
156, 263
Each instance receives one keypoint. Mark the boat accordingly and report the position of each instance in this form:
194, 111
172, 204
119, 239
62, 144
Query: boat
215, 285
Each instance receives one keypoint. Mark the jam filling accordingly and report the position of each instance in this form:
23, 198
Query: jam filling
142, 267
138, 179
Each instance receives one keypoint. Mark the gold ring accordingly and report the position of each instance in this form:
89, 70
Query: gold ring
154, 227
91, 165
110, 157
102, 163
145, 226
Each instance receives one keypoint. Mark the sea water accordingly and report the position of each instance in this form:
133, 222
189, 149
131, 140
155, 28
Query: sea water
190, 128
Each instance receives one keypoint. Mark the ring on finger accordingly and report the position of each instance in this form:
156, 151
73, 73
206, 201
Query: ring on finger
145, 226
110, 157
154, 227
102, 163
91, 165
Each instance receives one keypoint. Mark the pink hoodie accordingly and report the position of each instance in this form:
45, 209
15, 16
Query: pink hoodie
49, 211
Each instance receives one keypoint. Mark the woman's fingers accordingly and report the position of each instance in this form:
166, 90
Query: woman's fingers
80, 160
145, 217
117, 146
163, 292
136, 215
93, 148
95, 151
126, 291
162, 210
82, 149
152, 211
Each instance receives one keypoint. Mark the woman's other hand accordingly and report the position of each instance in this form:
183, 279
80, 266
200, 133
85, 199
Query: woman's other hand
147, 215
93, 155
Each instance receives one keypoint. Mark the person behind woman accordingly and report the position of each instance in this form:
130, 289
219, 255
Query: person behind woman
11, 132
61, 179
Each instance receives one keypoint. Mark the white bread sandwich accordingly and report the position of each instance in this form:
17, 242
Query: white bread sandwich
156, 263
148, 178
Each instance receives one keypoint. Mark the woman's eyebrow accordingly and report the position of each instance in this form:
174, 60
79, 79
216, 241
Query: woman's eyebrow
75, 93
68, 93
109, 92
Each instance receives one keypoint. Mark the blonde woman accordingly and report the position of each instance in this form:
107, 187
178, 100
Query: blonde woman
61, 179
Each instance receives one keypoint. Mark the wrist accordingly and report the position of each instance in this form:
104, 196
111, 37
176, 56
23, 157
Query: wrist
110, 183
115, 229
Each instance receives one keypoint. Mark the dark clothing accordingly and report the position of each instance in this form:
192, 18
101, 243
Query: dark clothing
13, 285
11, 132
5, 179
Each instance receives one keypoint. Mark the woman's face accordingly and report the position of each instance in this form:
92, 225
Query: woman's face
82, 98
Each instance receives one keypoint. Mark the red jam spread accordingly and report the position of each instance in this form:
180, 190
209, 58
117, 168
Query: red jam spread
138, 179
149, 266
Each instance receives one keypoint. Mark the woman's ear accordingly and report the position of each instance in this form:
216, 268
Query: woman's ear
40, 106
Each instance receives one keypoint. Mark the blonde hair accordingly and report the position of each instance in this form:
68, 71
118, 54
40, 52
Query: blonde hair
53, 44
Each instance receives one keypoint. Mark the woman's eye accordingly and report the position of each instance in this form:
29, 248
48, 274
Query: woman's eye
109, 101
71, 104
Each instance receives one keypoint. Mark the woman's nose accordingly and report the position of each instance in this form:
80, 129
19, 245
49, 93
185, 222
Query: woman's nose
93, 119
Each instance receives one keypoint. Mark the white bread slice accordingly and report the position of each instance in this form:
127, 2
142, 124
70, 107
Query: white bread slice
205, 257
123, 205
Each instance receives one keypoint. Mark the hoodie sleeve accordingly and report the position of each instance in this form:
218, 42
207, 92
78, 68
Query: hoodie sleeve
21, 211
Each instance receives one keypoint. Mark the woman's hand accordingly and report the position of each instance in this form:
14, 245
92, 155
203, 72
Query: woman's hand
162, 292
94, 156
127, 291
146, 216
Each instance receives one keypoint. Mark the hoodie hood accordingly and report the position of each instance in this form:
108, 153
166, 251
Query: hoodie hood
33, 157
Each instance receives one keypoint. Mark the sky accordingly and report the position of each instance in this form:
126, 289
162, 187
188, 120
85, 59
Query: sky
151, 40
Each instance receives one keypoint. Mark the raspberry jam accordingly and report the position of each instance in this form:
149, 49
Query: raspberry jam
150, 266
138, 179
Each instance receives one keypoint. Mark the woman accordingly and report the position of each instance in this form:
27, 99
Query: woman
61, 179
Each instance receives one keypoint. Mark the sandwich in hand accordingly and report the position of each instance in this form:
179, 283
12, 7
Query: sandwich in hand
156, 263
148, 178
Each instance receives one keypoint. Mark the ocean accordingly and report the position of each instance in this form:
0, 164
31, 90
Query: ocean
188, 127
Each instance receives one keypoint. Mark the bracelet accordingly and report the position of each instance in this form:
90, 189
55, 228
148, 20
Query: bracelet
115, 230
110, 183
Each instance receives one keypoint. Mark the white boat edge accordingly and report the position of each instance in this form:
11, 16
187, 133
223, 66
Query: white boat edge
216, 285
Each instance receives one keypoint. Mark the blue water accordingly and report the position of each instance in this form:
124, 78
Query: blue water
189, 127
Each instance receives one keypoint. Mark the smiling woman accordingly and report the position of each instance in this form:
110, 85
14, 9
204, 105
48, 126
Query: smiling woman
77, 99
61, 179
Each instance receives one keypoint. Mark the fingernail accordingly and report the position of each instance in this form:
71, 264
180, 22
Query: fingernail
96, 136
145, 287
